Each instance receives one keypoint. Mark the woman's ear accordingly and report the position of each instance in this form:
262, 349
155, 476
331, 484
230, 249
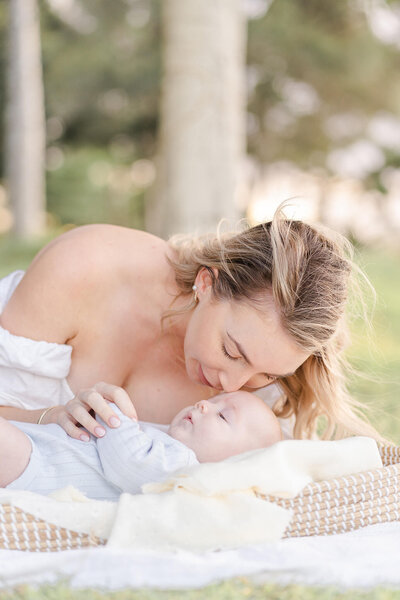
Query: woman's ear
205, 279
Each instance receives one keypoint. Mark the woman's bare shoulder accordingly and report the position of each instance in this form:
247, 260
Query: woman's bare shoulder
93, 246
75, 271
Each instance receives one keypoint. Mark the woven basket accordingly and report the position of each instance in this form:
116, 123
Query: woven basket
324, 508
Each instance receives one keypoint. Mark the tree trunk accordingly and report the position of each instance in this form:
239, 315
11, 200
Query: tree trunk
25, 121
202, 130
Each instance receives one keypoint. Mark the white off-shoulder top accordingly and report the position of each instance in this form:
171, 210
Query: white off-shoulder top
32, 373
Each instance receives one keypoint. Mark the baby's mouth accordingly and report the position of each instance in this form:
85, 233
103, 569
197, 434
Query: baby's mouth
188, 417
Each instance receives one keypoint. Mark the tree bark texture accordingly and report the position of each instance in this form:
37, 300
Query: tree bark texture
202, 129
25, 120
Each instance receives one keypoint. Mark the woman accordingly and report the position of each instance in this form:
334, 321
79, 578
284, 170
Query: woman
175, 322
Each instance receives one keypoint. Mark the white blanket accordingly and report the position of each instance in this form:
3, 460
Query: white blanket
282, 470
211, 506
365, 558
165, 538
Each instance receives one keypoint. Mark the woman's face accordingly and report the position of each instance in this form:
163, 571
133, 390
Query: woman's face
230, 345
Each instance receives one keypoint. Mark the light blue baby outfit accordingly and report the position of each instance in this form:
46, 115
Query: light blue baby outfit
121, 461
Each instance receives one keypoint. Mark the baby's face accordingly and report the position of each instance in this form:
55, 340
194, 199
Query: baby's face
225, 425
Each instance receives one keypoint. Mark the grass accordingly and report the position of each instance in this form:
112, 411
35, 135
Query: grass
378, 358
236, 589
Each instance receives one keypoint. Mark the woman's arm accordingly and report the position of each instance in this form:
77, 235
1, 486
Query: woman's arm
20, 414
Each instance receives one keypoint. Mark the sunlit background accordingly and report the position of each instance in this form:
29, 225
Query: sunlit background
301, 100
322, 115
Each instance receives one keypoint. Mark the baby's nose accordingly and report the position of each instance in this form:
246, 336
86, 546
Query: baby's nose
201, 405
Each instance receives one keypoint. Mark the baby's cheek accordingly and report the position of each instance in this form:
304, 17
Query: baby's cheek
175, 432
233, 445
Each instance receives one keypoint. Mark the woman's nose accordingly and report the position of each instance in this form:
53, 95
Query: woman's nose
232, 382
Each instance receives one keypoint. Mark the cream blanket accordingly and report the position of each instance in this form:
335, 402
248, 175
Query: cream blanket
209, 506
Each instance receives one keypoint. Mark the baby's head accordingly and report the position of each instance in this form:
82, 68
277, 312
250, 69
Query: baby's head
225, 425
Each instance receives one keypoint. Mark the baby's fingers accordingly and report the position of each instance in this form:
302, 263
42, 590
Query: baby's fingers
119, 396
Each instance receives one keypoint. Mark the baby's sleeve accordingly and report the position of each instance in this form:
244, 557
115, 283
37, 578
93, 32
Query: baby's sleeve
131, 457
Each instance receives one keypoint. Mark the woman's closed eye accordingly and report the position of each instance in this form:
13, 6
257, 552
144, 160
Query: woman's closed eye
225, 351
267, 378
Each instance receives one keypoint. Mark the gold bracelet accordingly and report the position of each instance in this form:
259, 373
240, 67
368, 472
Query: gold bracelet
44, 413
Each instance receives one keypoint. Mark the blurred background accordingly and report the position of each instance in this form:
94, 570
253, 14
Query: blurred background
171, 115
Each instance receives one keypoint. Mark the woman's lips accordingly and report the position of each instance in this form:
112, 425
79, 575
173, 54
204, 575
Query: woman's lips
202, 377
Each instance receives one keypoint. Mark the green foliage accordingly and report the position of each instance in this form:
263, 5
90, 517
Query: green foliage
104, 84
92, 186
329, 46
17, 255
101, 91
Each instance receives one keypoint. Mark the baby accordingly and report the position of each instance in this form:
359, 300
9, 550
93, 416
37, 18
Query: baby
43, 458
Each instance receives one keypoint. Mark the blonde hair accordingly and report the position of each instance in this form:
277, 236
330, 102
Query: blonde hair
308, 270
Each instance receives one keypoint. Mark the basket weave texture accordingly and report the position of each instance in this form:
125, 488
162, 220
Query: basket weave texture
324, 508
347, 503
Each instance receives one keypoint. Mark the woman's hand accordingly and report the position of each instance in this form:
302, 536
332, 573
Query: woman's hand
97, 398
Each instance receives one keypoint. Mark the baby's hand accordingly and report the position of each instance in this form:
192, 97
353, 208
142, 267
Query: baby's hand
98, 398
